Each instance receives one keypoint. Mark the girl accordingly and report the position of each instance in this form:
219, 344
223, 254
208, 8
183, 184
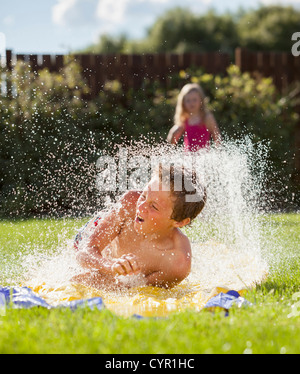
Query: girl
193, 120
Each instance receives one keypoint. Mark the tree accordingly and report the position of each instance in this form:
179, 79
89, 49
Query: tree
268, 28
179, 30
173, 28
107, 44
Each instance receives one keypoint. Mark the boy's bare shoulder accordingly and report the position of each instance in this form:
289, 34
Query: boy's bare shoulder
181, 241
130, 197
128, 202
175, 267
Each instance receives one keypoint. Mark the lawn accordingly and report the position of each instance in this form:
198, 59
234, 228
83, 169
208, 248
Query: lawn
270, 325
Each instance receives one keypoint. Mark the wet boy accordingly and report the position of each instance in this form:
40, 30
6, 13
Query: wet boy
142, 235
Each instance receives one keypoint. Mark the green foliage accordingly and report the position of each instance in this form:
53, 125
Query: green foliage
268, 28
43, 139
51, 136
107, 44
136, 113
179, 30
172, 30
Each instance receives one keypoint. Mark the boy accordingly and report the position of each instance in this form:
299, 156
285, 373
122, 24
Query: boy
142, 236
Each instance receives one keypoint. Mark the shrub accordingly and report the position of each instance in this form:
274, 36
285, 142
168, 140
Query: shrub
51, 136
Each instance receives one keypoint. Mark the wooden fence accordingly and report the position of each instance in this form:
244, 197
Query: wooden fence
132, 69
283, 67
129, 69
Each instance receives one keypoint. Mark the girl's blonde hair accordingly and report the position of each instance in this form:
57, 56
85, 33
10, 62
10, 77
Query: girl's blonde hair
181, 115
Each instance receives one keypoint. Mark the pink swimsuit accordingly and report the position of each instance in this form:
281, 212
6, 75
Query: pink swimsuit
195, 136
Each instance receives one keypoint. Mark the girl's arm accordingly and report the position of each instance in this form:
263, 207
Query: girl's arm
175, 134
213, 128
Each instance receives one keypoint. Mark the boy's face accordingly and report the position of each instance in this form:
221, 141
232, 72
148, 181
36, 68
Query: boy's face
154, 210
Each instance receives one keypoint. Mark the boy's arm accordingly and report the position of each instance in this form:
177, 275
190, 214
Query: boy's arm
90, 256
107, 230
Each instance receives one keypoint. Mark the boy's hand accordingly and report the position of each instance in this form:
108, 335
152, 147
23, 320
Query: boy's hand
125, 265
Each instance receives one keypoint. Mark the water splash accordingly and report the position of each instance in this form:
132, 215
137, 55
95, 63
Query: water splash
230, 251
228, 245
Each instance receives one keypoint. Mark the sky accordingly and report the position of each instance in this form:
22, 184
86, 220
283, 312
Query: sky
63, 26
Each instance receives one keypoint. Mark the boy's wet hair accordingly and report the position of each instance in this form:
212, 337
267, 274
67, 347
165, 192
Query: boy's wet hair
189, 193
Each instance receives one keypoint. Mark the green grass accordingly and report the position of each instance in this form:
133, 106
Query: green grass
264, 327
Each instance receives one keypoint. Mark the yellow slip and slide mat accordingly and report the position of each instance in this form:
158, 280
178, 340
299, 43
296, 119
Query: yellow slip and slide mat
214, 265
144, 301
